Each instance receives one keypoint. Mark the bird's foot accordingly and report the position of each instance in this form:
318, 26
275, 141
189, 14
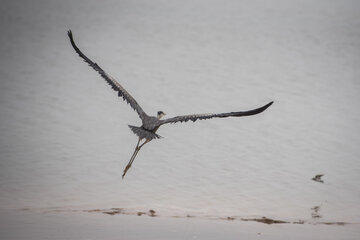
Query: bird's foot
125, 170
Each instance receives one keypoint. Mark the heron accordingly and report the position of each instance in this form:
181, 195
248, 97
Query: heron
150, 124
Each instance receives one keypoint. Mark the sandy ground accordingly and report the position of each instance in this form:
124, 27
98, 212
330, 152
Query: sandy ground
67, 225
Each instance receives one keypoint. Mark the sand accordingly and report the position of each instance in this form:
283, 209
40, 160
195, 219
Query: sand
25, 224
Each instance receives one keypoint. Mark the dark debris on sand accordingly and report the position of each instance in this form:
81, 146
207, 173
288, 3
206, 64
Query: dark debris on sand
264, 220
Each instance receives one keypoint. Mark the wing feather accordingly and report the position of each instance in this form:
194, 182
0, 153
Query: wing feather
194, 117
111, 81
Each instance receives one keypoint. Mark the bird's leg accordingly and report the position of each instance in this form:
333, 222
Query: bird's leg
146, 141
136, 152
132, 158
137, 149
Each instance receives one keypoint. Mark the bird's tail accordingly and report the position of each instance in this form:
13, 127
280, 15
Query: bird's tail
143, 133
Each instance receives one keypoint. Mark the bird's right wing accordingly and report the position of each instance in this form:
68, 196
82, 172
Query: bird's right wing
194, 117
111, 81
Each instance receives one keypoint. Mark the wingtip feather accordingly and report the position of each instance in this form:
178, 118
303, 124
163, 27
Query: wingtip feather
265, 107
69, 33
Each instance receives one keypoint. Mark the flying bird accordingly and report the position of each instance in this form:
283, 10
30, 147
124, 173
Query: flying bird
150, 124
317, 178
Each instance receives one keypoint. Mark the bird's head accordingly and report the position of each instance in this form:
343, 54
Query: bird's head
160, 114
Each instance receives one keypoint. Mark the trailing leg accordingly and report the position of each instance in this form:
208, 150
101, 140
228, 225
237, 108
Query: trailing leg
131, 159
137, 149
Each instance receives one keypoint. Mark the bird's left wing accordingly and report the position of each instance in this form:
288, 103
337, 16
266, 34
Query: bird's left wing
111, 81
194, 117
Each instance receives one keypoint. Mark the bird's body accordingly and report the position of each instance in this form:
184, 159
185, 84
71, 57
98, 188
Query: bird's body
318, 177
150, 124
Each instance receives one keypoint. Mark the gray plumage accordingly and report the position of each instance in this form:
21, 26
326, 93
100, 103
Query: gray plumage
111, 81
143, 133
194, 117
150, 124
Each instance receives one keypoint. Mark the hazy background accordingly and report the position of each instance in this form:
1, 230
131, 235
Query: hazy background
64, 140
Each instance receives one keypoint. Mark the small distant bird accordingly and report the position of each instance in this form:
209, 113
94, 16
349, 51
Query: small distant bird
150, 124
317, 178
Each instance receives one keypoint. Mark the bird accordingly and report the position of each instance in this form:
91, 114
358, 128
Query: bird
150, 124
317, 178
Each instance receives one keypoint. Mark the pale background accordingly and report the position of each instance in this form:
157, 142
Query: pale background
64, 140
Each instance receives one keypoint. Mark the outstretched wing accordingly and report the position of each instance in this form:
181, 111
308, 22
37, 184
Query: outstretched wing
111, 81
195, 117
